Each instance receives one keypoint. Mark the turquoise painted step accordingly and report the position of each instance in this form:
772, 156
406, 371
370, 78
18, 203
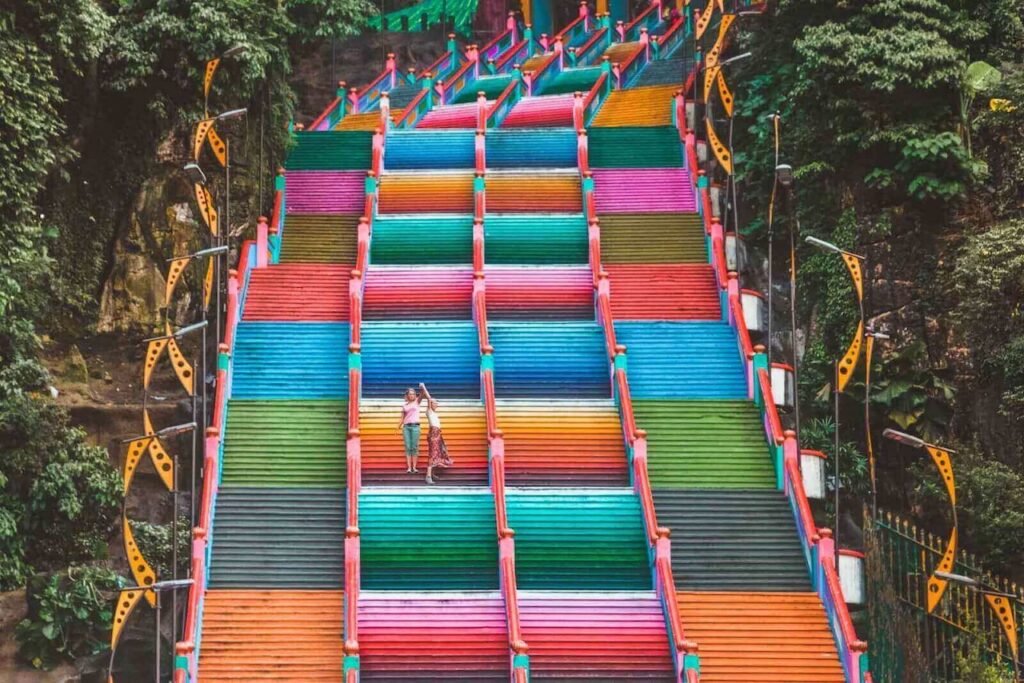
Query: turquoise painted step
278, 538
572, 539
443, 355
436, 540
422, 239
532, 148
402, 95
635, 147
682, 360
336, 150
425, 149
555, 239
580, 79
552, 360
705, 444
290, 360
285, 443
491, 86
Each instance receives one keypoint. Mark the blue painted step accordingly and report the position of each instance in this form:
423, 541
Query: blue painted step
682, 360
443, 355
531, 148
290, 360
544, 359
424, 149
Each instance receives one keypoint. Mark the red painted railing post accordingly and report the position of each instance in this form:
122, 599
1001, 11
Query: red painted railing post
262, 242
391, 67
232, 313
481, 110
790, 457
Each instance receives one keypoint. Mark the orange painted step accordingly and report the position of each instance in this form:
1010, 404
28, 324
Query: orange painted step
761, 637
434, 192
369, 120
663, 291
533, 192
650, 106
272, 635
554, 443
463, 424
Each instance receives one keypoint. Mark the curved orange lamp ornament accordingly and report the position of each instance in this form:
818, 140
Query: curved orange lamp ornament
937, 585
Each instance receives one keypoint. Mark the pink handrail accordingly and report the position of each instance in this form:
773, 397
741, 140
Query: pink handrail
532, 78
510, 54
504, 101
771, 411
746, 346
411, 109
594, 93
581, 52
336, 102
643, 485
643, 16
451, 83
799, 494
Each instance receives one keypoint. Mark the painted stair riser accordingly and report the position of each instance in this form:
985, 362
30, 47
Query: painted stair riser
535, 240
287, 360
663, 292
285, 443
418, 294
428, 541
541, 112
635, 147
433, 149
320, 238
298, 292
464, 427
443, 355
658, 190
422, 239
539, 293
531, 148
524, 192
330, 151
426, 192
552, 360
334, 192
645, 238
651, 106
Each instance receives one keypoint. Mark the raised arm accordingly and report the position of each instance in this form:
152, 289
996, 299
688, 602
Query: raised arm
424, 394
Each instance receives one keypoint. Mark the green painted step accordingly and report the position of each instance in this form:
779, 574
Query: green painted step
490, 86
334, 150
580, 79
278, 538
319, 238
535, 239
652, 238
635, 147
434, 540
704, 444
580, 541
285, 443
422, 239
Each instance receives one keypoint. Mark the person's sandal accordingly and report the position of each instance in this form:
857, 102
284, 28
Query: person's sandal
429, 480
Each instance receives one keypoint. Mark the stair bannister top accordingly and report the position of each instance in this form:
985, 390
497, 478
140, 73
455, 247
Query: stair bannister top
578, 26
600, 36
447, 62
500, 43
416, 109
504, 103
647, 19
672, 38
382, 83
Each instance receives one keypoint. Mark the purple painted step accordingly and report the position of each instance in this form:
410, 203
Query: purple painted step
325, 192
645, 190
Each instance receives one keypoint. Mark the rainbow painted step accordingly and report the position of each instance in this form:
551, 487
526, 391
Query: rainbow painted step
635, 147
635, 190
286, 636
549, 360
298, 292
383, 462
426, 192
534, 191
552, 111
290, 360
278, 537
285, 443
532, 148
653, 238
443, 355
532, 293
428, 540
682, 360
406, 150
422, 239
578, 539
526, 239
418, 293
319, 238
332, 192
605, 636
330, 151
562, 443
433, 636
664, 291
650, 106
704, 444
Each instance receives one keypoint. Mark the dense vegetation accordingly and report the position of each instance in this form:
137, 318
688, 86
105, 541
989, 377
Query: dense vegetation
905, 152
93, 94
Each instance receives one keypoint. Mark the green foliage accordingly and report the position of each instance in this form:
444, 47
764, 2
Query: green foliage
911, 395
974, 662
60, 497
70, 614
155, 543
819, 434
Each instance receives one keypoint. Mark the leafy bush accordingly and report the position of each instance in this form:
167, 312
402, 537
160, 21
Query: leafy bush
155, 543
69, 616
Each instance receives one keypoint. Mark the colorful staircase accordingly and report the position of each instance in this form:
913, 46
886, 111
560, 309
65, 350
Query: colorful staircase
561, 293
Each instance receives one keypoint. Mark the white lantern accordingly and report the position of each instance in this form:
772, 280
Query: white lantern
755, 313
783, 386
735, 253
851, 576
812, 467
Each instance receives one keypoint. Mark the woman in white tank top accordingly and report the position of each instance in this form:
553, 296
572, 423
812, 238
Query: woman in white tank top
438, 449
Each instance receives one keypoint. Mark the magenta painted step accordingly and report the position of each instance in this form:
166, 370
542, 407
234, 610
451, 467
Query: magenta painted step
433, 637
546, 292
651, 190
421, 293
610, 636
325, 191
541, 112
452, 116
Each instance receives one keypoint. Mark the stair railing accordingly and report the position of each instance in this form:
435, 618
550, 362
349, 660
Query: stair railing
448, 89
596, 96
505, 102
576, 28
384, 82
335, 111
649, 19
417, 109
503, 41
548, 69
277, 217
634, 63
674, 36
446, 63
818, 547
595, 45
186, 661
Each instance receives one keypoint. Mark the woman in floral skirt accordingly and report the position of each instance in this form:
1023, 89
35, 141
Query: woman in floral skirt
435, 439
